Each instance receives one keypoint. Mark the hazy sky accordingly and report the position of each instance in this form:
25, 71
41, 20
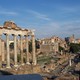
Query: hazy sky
47, 17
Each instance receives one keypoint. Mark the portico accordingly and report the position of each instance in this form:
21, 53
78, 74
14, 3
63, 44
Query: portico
10, 28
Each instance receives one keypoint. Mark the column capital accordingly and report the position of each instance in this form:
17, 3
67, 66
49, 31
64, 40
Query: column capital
21, 35
14, 35
6, 34
26, 35
32, 32
32, 35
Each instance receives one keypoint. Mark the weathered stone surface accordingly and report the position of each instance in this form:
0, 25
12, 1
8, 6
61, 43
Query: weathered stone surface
66, 77
24, 69
10, 24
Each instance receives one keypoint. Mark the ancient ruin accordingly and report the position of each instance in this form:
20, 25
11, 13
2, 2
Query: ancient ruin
11, 29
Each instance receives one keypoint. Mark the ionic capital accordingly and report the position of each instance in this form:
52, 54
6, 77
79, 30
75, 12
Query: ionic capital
6, 34
14, 35
26, 35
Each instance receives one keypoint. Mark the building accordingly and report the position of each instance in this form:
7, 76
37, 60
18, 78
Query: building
8, 29
52, 44
70, 39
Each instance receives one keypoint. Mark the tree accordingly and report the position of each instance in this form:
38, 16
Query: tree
61, 48
74, 48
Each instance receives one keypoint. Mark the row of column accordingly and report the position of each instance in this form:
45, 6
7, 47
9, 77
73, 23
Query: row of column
21, 47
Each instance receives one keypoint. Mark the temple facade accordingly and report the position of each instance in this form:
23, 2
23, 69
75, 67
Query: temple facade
11, 29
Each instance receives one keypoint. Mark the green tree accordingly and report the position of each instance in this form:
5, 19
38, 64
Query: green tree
61, 48
74, 48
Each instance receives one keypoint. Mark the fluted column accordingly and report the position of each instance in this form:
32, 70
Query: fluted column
15, 51
27, 50
8, 54
33, 49
21, 45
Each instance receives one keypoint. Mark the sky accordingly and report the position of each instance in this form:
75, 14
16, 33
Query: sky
48, 17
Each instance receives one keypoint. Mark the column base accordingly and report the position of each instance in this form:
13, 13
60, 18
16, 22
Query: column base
15, 65
8, 67
28, 63
34, 63
22, 64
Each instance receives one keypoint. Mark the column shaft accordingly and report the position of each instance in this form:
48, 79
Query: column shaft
27, 51
8, 54
3, 52
0, 45
21, 45
0, 54
33, 50
15, 51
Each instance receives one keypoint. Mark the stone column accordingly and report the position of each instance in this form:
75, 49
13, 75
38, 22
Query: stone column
0, 53
61, 52
0, 44
7, 52
27, 50
33, 49
3, 52
70, 63
21, 49
15, 51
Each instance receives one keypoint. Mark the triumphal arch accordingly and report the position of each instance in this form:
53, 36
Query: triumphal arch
8, 29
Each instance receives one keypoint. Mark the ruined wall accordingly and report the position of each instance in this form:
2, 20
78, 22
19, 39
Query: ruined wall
46, 48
